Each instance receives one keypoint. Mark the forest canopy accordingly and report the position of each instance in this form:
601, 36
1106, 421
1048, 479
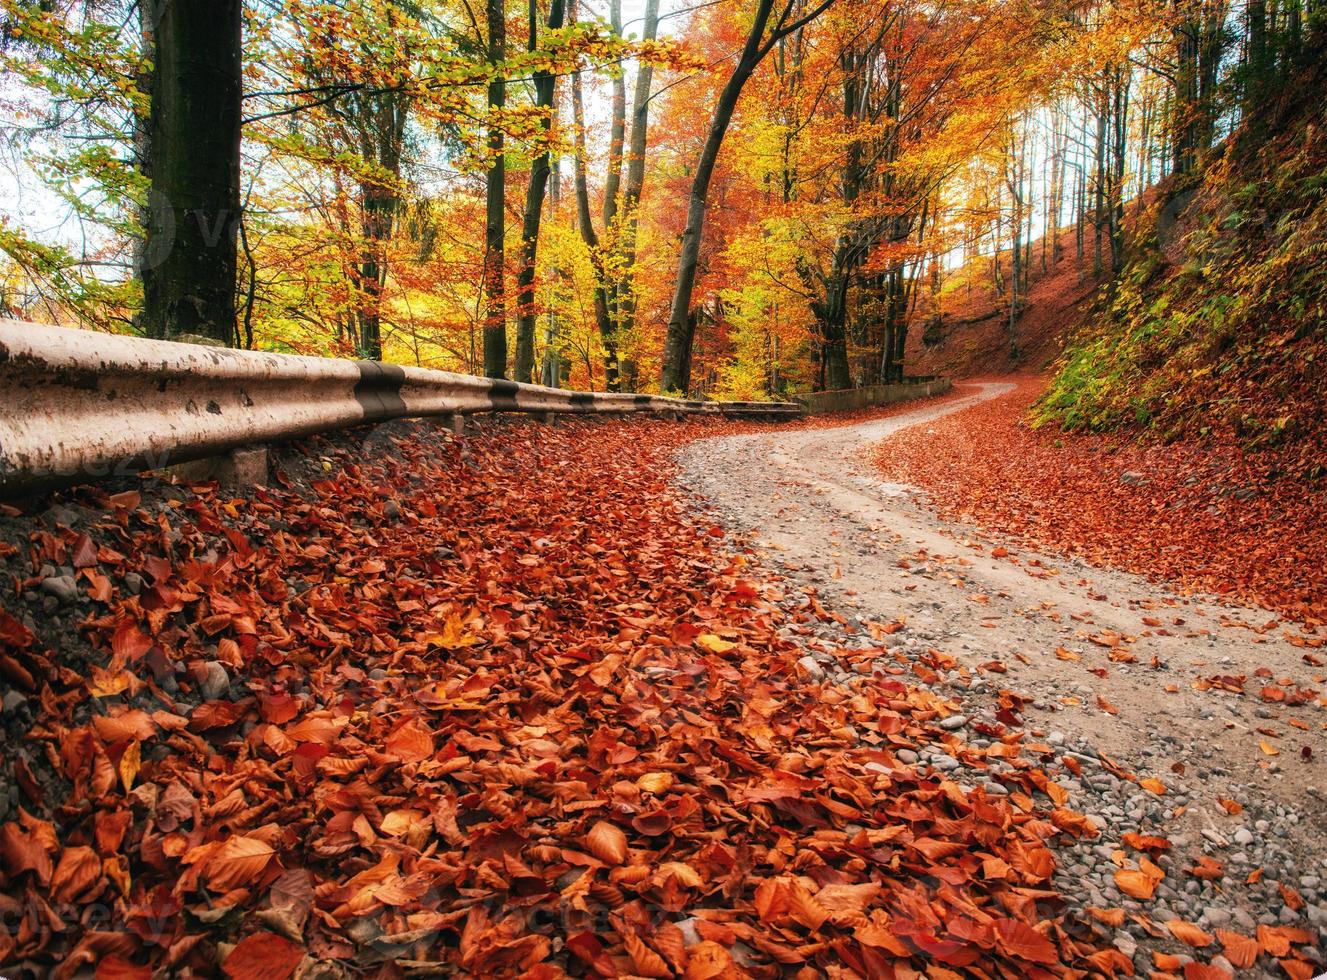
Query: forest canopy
738, 199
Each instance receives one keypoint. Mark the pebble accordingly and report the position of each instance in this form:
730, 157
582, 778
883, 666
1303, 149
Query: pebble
954, 722
63, 587
907, 757
1243, 836
215, 682
133, 583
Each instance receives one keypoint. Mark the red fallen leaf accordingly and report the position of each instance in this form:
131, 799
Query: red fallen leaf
129, 726
586, 946
1135, 884
1204, 971
110, 830
1230, 806
653, 823
707, 960
216, 714
1112, 962
85, 553
1188, 933
127, 500
1240, 950
1298, 969
119, 968
1145, 842
1073, 822
1022, 941
13, 633
1208, 868
236, 863
17, 673
1293, 899
78, 869
647, 962
277, 709
1168, 963
262, 956
128, 642
607, 842
26, 850
412, 742
1111, 917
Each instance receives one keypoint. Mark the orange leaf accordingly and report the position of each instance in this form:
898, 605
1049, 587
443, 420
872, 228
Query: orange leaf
607, 842
1187, 932
263, 956
236, 863
1240, 950
1135, 884
78, 869
1021, 940
411, 742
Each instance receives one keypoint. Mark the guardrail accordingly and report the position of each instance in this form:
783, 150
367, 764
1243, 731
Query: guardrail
846, 399
80, 405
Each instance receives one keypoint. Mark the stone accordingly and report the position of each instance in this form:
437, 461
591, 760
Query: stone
244, 468
63, 587
1244, 836
954, 722
13, 700
391, 510
907, 757
811, 666
215, 681
133, 583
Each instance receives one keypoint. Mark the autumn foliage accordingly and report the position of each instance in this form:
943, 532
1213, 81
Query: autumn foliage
1210, 518
499, 705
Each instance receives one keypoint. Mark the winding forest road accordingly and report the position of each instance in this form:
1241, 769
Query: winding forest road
1110, 663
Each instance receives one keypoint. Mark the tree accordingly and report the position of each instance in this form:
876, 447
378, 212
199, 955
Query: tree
189, 272
495, 221
760, 40
544, 80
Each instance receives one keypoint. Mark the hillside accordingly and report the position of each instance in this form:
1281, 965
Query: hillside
1216, 326
971, 335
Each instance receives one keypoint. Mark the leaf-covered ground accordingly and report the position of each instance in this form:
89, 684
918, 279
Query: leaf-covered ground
1209, 517
495, 707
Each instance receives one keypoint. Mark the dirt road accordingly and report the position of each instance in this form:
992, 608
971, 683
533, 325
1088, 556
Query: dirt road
1111, 664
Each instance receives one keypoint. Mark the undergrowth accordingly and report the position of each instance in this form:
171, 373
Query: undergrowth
1216, 325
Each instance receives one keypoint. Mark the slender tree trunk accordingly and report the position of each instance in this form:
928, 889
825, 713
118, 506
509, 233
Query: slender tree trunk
142, 145
495, 229
631, 192
602, 317
189, 264
676, 368
617, 128
534, 205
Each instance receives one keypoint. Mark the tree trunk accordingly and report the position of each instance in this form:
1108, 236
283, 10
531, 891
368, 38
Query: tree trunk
617, 128
495, 316
189, 268
635, 183
612, 380
534, 205
676, 368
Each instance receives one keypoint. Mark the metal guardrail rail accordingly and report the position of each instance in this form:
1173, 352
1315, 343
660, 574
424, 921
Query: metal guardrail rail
77, 405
